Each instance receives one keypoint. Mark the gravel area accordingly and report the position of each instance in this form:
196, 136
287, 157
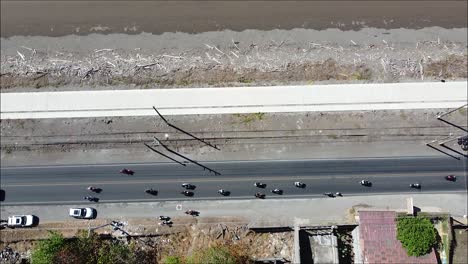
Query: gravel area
239, 136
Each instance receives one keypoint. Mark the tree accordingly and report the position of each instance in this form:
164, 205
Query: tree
47, 249
417, 234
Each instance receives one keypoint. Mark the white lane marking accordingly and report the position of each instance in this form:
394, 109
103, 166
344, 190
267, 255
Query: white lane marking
250, 197
219, 162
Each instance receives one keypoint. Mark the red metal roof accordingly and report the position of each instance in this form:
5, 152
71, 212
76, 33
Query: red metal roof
378, 242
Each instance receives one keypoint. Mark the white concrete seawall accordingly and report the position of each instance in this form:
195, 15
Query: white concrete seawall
343, 97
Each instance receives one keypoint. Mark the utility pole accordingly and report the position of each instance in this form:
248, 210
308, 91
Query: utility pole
186, 158
183, 131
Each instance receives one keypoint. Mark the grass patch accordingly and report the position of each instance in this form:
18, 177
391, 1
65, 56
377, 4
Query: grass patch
249, 118
244, 79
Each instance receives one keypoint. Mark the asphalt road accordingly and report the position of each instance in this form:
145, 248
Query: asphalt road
60, 18
67, 184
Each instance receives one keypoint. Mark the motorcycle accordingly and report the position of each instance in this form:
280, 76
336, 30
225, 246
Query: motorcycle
91, 199
260, 185
260, 195
187, 193
224, 192
451, 178
94, 189
299, 184
192, 213
127, 171
365, 183
188, 186
277, 191
166, 222
151, 191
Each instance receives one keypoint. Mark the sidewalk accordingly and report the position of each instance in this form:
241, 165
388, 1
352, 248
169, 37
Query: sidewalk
233, 100
262, 213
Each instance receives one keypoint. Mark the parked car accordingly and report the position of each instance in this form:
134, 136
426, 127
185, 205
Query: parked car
164, 218
83, 213
22, 221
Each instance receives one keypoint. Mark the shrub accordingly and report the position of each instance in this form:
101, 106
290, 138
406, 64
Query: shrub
417, 234
172, 260
115, 253
212, 255
47, 249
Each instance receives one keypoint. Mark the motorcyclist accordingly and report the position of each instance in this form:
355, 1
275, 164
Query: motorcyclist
260, 195
127, 171
299, 184
365, 183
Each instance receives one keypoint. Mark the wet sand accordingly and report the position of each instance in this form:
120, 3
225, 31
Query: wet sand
60, 18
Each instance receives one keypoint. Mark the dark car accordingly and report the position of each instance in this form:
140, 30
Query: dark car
188, 186
277, 191
164, 218
224, 192
260, 185
187, 193
329, 194
415, 185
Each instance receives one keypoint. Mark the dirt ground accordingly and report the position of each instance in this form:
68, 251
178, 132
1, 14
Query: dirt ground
238, 136
185, 236
227, 58
461, 250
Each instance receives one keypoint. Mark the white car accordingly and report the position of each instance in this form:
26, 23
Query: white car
83, 213
22, 220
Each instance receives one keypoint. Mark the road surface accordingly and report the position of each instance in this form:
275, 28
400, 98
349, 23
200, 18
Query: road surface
67, 184
60, 18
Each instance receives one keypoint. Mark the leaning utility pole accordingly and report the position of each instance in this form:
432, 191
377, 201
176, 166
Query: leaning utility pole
183, 131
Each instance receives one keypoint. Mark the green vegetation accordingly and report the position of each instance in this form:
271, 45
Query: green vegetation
46, 250
212, 255
417, 234
172, 260
244, 79
215, 254
90, 250
249, 118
